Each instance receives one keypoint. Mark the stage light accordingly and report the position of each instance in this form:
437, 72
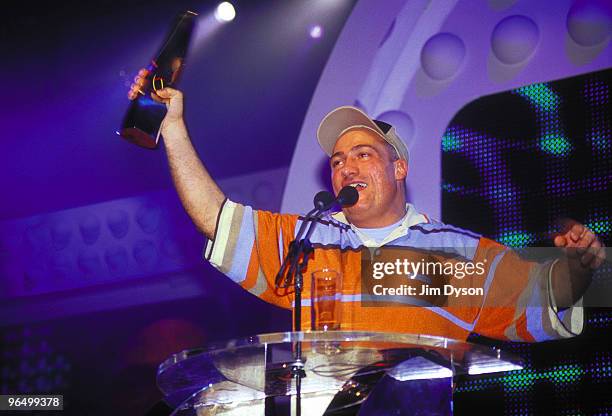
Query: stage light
225, 12
315, 31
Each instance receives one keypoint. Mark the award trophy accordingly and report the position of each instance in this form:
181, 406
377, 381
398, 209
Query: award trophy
141, 124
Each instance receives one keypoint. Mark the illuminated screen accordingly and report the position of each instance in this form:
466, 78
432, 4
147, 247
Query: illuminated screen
513, 165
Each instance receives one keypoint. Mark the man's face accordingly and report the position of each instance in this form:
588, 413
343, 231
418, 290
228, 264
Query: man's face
364, 160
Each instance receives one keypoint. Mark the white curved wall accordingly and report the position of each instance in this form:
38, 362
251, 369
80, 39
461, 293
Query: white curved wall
416, 63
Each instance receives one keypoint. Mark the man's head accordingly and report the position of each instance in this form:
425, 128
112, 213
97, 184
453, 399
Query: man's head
369, 155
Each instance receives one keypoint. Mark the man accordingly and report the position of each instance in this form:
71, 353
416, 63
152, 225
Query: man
247, 245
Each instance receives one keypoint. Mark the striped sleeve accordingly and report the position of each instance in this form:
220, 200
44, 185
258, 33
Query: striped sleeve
249, 246
519, 305
568, 322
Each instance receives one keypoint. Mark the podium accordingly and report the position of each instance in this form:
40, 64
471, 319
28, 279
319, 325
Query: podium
337, 373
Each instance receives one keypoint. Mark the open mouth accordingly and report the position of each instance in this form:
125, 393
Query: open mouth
359, 185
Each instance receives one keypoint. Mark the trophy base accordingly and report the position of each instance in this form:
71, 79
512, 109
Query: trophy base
142, 122
139, 137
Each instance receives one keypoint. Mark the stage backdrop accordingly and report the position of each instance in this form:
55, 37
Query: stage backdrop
512, 175
416, 63
506, 165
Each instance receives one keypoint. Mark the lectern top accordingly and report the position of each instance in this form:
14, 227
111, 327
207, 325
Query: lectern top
260, 366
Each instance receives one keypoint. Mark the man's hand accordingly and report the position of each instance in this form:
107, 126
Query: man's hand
572, 274
583, 246
169, 96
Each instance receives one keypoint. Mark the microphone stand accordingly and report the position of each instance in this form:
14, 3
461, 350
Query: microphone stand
292, 270
294, 264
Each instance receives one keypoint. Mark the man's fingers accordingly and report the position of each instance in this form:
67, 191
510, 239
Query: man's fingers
164, 93
141, 81
581, 244
588, 255
168, 93
600, 257
560, 241
570, 231
585, 242
577, 231
157, 98
595, 255
134, 91
138, 84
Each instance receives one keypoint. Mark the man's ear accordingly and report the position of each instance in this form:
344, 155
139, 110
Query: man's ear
401, 169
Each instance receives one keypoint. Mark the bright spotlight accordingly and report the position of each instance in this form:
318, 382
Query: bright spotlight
316, 31
225, 12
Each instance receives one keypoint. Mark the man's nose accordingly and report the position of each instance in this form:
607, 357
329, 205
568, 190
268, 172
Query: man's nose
349, 169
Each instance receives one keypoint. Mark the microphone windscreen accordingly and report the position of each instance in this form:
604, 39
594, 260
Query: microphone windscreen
348, 196
323, 200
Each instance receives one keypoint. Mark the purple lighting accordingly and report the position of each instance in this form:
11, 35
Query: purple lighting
315, 31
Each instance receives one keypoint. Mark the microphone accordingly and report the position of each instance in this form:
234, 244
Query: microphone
347, 196
323, 200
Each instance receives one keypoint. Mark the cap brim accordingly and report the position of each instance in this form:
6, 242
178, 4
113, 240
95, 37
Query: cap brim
340, 120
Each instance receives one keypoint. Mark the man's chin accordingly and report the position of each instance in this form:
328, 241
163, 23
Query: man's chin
356, 211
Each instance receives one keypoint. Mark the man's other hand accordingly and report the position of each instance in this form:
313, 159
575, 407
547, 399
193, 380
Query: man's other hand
584, 249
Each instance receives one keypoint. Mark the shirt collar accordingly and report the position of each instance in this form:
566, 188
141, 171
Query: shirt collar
412, 217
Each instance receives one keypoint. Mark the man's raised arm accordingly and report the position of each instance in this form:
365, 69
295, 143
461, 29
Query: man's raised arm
200, 195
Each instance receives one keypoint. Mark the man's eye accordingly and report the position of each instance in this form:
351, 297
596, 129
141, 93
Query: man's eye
363, 155
335, 163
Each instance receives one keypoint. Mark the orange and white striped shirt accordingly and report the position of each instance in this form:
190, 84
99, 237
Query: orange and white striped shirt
250, 245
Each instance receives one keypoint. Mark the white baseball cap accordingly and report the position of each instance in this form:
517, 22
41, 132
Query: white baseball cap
340, 120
